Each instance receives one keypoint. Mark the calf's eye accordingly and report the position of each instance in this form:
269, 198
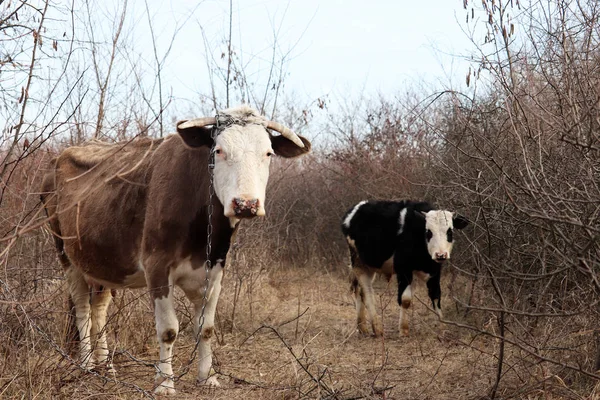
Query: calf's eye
428, 235
449, 234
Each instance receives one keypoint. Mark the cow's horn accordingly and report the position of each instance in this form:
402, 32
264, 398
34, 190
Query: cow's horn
198, 123
285, 132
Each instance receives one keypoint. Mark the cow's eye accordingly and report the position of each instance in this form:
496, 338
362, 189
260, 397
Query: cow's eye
269, 153
449, 234
428, 235
220, 153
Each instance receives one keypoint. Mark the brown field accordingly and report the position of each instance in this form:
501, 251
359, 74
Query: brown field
516, 151
292, 336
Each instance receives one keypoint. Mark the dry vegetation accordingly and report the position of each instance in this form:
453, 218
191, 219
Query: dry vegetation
518, 153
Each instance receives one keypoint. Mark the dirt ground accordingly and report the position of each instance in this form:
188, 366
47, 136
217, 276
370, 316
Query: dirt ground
294, 336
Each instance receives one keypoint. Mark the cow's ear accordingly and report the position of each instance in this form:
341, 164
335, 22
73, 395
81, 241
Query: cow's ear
284, 147
195, 136
459, 221
422, 215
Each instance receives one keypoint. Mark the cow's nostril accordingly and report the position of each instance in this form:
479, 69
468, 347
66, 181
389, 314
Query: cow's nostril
244, 208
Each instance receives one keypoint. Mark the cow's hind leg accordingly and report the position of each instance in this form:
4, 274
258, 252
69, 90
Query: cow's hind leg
365, 280
100, 301
204, 315
404, 300
361, 312
79, 291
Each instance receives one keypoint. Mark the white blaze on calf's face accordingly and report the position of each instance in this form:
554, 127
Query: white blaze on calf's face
439, 231
242, 159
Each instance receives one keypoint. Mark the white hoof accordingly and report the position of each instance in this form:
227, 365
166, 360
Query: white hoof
167, 387
210, 382
88, 364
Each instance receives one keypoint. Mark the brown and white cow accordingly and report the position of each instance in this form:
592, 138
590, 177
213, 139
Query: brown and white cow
134, 215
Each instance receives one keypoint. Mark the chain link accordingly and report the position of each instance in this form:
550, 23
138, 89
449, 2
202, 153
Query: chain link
209, 228
209, 231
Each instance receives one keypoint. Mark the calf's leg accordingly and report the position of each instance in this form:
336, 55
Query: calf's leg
435, 293
365, 281
361, 312
404, 300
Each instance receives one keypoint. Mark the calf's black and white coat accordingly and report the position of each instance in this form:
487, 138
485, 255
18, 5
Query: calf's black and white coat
402, 238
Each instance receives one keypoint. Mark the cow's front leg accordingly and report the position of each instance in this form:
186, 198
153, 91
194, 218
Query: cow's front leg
208, 326
435, 293
404, 300
167, 328
205, 308
167, 325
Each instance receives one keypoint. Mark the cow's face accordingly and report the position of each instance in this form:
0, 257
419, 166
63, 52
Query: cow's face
242, 158
439, 233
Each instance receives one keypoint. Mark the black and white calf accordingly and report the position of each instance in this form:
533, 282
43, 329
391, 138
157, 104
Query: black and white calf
402, 238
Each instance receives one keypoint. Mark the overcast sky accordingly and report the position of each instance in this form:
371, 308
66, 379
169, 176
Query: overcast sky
333, 49
336, 47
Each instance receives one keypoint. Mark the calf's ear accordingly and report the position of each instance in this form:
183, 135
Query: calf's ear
459, 221
194, 136
284, 147
421, 214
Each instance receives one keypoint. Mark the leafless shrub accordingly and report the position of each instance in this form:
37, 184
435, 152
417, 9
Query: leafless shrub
521, 160
518, 154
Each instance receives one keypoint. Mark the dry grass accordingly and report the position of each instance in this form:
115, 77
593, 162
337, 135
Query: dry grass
278, 294
518, 156
309, 310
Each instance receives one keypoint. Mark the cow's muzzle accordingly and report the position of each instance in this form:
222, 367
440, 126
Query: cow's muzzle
441, 257
244, 208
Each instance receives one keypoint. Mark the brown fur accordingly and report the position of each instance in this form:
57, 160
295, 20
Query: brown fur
207, 333
169, 336
127, 215
108, 202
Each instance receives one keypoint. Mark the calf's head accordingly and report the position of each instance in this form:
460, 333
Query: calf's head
243, 149
439, 232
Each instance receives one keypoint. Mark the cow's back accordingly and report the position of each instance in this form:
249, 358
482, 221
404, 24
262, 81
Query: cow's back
97, 199
378, 230
373, 228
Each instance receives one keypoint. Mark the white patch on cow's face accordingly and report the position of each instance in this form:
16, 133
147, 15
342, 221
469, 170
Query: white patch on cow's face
439, 232
242, 159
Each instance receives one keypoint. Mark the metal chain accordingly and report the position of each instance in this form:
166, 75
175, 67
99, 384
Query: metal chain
209, 231
209, 228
